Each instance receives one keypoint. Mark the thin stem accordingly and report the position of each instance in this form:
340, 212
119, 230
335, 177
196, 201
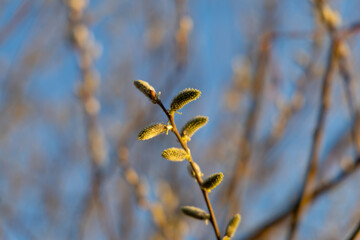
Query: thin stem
344, 69
197, 176
356, 233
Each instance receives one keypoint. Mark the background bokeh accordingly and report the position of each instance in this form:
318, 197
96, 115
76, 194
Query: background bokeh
71, 166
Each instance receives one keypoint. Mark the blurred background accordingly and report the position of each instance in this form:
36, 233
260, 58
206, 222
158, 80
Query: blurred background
71, 166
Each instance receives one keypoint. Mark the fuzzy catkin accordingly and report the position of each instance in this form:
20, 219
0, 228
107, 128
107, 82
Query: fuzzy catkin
183, 98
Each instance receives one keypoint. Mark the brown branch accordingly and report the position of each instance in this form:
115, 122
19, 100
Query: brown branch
323, 188
344, 68
295, 105
356, 233
197, 176
307, 189
349, 31
349, 85
244, 155
319, 191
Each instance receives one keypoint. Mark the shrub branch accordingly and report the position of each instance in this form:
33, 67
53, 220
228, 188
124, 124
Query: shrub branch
197, 176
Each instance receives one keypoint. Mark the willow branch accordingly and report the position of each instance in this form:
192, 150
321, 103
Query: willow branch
355, 234
344, 69
353, 109
197, 176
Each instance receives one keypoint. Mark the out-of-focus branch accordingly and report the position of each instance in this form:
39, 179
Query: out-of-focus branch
83, 41
307, 188
289, 110
197, 174
319, 191
323, 188
184, 28
349, 31
156, 210
349, 85
244, 155
330, 19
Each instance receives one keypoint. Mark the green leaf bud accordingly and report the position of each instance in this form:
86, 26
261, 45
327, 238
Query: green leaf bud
197, 170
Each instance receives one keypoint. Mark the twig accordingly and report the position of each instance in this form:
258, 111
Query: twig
295, 105
198, 177
244, 154
349, 31
306, 192
319, 191
353, 109
323, 188
356, 233
243, 160
348, 83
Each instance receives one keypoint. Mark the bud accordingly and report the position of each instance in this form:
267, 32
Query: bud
174, 154
212, 181
330, 17
197, 170
152, 131
342, 50
232, 225
192, 126
195, 212
183, 98
146, 89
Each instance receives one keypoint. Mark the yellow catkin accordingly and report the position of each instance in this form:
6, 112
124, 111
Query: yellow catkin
192, 126
152, 131
183, 98
174, 154
232, 225
212, 181
146, 89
